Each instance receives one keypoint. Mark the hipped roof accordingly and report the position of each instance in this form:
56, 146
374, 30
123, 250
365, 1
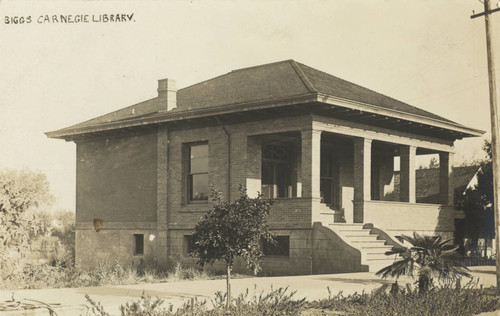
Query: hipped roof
282, 83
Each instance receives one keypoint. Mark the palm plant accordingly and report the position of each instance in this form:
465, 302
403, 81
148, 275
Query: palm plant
428, 257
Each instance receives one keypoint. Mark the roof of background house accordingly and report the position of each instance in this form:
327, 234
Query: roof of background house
427, 182
269, 83
428, 187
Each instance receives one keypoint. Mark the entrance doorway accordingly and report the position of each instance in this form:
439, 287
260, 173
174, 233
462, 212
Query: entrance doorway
329, 180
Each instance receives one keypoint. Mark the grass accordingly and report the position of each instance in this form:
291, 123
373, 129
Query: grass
64, 273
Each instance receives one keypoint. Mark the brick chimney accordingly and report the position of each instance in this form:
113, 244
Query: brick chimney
167, 95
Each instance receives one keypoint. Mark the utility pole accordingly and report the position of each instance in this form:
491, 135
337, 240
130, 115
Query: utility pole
495, 141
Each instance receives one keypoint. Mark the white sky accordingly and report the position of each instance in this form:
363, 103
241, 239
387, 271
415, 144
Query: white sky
427, 53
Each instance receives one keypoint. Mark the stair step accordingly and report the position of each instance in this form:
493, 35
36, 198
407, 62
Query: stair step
347, 224
355, 233
370, 252
362, 236
351, 231
378, 256
373, 249
371, 241
380, 261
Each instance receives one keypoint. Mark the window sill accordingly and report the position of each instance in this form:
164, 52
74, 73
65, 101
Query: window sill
195, 208
197, 202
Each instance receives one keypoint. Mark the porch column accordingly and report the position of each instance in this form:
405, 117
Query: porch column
446, 178
310, 163
408, 192
362, 176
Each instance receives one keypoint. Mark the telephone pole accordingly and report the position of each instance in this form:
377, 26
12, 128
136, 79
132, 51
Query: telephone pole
495, 141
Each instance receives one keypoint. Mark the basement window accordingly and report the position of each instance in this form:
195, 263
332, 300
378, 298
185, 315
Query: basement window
188, 244
279, 249
138, 244
197, 172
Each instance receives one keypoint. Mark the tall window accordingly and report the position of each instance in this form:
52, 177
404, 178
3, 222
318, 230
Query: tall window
198, 172
276, 171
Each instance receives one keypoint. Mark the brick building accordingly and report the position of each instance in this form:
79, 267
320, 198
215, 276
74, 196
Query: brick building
325, 149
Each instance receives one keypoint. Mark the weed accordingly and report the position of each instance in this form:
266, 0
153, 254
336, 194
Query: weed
64, 273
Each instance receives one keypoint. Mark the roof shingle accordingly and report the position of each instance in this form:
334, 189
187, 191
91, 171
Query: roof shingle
273, 82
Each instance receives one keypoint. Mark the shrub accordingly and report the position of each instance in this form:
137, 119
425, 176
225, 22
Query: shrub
409, 301
428, 257
276, 302
64, 273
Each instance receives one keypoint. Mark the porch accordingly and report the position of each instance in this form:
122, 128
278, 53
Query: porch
344, 177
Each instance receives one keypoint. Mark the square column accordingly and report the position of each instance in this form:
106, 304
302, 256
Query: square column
362, 176
446, 178
408, 191
310, 164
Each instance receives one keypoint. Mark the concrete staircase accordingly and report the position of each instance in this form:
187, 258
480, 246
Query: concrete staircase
371, 246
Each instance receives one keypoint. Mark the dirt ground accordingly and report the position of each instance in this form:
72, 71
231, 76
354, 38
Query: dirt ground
71, 301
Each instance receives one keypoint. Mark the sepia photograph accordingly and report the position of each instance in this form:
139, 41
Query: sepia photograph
249, 157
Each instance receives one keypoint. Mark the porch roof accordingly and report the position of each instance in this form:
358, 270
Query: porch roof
269, 86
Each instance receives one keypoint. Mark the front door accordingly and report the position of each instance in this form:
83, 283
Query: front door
329, 180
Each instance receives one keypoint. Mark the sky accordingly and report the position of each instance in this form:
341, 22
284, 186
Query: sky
429, 54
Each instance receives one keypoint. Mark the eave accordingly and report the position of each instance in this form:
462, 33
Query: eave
175, 115
384, 112
357, 110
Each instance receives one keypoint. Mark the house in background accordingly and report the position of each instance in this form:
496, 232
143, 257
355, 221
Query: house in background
322, 147
427, 183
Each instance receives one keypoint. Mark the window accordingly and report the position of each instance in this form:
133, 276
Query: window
276, 171
197, 173
280, 248
188, 244
139, 244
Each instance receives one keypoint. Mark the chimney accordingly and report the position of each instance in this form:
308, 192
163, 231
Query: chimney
167, 95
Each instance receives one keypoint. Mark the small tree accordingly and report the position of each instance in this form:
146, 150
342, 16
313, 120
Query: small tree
231, 230
477, 204
429, 257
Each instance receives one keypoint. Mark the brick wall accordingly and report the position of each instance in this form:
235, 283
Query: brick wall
299, 261
140, 180
111, 246
183, 215
404, 218
116, 179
